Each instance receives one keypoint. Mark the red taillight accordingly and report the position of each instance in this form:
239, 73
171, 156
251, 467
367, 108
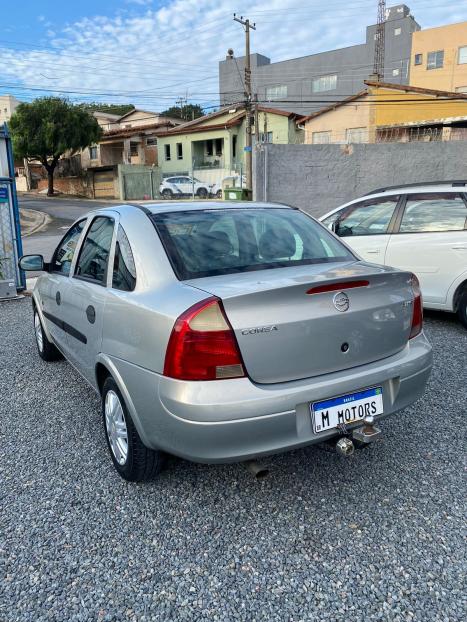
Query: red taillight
202, 345
417, 314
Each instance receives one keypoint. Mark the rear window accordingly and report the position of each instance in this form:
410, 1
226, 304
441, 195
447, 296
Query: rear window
213, 242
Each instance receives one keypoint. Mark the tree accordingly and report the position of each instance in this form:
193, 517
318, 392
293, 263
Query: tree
119, 109
49, 127
190, 111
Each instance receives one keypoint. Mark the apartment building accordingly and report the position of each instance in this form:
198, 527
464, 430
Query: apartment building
8, 105
439, 58
292, 84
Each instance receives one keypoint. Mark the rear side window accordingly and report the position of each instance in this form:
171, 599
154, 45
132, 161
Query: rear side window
124, 271
434, 212
369, 217
94, 255
213, 242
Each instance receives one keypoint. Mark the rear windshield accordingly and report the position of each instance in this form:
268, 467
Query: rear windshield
213, 242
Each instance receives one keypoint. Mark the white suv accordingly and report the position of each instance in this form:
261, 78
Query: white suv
419, 227
182, 186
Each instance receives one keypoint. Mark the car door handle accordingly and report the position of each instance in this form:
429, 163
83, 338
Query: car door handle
58, 298
373, 252
459, 247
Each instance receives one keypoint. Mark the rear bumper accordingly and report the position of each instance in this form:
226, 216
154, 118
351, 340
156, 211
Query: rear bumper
233, 420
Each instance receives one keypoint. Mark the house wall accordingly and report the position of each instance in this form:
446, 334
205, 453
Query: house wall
352, 65
175, 165
140, 118
338, 121
318, 178
420, 108
448, 38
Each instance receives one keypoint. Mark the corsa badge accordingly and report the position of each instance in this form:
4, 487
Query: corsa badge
341, 301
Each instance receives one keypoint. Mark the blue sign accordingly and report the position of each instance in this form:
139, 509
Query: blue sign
3, 194
247, 149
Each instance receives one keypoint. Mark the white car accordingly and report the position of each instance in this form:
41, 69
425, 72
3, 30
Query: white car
181, 186
418, 227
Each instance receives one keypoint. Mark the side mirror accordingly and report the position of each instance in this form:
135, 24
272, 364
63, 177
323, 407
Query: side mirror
31, 262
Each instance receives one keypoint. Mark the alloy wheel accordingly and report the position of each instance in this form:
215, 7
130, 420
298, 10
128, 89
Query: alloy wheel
115, 426
38, 331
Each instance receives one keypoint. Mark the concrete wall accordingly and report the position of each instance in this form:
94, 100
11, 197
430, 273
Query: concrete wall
318, 178
77, 186
352, 65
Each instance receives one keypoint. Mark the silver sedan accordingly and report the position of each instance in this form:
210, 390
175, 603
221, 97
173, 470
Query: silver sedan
226, 332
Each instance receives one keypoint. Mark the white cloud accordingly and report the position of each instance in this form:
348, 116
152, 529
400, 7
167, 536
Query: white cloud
152, 56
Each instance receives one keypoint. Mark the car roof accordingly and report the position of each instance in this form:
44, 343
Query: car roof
164, 207
421, 188
176, 206
425, 186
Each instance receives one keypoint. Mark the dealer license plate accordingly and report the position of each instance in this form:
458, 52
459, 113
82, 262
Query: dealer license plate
346, 409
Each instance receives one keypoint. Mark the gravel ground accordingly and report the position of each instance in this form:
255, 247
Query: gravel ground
375, 537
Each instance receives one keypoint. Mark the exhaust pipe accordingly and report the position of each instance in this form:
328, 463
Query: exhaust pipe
256, 469
345, 447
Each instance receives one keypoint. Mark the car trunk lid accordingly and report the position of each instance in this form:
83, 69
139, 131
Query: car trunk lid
292, 323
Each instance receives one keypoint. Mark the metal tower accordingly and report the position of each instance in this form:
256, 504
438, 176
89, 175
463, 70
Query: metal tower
378, 67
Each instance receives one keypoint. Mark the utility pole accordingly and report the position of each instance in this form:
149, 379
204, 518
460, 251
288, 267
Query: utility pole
248, 155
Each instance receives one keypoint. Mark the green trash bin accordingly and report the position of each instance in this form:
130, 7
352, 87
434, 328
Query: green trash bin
237, 194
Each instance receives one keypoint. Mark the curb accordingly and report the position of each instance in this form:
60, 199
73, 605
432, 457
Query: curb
41, 220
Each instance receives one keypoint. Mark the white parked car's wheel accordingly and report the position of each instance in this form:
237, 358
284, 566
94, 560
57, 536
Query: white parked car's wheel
167, 193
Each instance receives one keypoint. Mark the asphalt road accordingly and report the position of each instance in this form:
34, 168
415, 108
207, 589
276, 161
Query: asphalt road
379, 536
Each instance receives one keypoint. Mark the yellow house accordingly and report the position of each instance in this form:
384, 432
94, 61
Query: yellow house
439, 58
389, 112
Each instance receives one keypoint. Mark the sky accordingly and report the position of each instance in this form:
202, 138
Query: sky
151, 52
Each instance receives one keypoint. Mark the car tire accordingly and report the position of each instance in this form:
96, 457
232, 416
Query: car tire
462, 308
132, 459
47, 350
202, 193
167, 193
219, 194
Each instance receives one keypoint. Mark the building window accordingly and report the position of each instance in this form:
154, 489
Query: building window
395, 72
435, 59
209, 148
265, 137
151, 141
219, 142
167, 152
324, 83
356, 135
234, 146
179, 151
133, 149
418, 59
461, 89
321, 138
276, 92
93, 152
397, 31
462, 55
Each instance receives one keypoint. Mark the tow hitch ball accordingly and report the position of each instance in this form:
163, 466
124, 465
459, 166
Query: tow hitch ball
365, 434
